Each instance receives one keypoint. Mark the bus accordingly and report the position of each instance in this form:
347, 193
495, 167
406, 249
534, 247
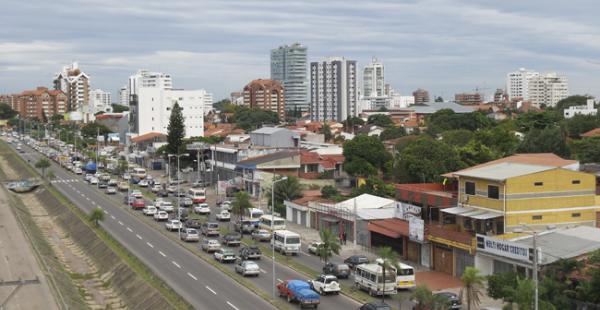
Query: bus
265, 222
198, 195
286, 241
405, 275
254, 213
369, 277
139, 173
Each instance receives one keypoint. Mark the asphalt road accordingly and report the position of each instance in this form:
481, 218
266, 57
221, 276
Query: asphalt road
195, 280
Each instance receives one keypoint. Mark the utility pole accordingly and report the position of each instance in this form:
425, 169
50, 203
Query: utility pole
535, 270
272, 227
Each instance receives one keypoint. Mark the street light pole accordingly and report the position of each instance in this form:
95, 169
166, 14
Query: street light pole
178, 193
535, 267
272, 228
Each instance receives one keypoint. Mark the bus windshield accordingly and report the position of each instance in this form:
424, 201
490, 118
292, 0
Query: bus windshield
405, 272
292, 240
279, 222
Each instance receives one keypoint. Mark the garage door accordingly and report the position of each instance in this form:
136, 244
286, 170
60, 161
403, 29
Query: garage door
598, 219
442, 259
413, 252
463, 260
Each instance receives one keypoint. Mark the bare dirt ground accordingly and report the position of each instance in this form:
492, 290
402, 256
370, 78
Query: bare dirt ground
93, 286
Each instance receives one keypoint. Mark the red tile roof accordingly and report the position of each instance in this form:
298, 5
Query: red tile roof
146, 137
592, 133
393, 228
305, 200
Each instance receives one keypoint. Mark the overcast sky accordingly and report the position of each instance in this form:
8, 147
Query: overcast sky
444, 46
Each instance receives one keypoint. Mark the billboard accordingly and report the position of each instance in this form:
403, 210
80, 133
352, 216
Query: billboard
416, 229
505, 248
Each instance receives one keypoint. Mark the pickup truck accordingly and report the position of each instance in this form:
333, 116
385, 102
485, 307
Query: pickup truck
298, 291
325, 284
123, 187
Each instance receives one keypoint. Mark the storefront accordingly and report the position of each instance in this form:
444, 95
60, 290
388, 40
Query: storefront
451, 251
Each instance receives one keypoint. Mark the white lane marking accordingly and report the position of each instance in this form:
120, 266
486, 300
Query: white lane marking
279, 280
88, 198
150, 244
262, 270
232, 306
120, 223
93, 202
161, 253
211, 290
176, 264
105, 212
192, 276
129, 229
113, 217
138, 236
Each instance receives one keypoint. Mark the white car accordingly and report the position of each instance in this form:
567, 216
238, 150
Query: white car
143, 183
247, 268
202, 208
173, 225
111, 190
149, 210
313, 247
156, 188
325, 284
225, 205
224, 215
166, 206
210, 245
190, 235
224, 255
126, 176
78, 170
161, 216
93, 181
137, 193
172, 189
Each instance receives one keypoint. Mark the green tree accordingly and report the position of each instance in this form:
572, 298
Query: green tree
579, 124
96, 216
536, 120
426, 300
329, 191
91, 130
175, 131
457, 137
6, 112
288, 189
389, 259
473, 284
364, 156
475, 153
351, 123
439, 99
547, 140
330, 244
56, 119
380, 120
119, 108
392, 133
241, 203
523, 295
570, 101
447, 119
220, 104
51, 175
326, 131
500, 139
424, 160
252, 118
43, 164
375, 186
499, 285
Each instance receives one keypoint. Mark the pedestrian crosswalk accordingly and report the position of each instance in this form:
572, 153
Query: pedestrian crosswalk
64, 181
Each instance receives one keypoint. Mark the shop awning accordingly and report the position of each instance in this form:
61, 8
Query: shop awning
330, 219
473, 213
486, 216
383, 231
457, 210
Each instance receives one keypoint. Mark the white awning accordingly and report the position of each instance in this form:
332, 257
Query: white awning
473, 213
457, 210
486, 216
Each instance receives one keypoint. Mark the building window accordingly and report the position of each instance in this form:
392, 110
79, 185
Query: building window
576, 182
536, 217
470, 188
575, 214
538, 183
493, 192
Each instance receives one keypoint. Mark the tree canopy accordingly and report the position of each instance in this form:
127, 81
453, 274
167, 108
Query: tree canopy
253, 118
91, 130
352, 122
579, 124
447, 119
220, 104
547, 140
569, 102
587, 150
364, 156
392, 133
119, 108
6, 112
380, 120
175, 131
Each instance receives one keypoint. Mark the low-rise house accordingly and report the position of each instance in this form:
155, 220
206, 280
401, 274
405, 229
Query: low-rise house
587, 109
274, 137
592, 133
151, 139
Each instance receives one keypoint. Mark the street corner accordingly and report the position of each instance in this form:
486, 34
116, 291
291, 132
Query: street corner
437, 281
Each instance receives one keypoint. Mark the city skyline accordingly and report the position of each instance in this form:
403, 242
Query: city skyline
231, 44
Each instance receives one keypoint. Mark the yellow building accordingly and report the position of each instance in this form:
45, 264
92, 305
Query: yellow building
497, 198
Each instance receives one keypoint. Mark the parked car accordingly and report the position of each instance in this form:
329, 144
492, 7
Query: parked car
113, 182
78, 170
156, 188
123, 186
342, 271
261, 235
225, 205
137, 193
190, 235
172, 225
313, 247
298, 291
375, 305
355, 260
162, 193
137, 204
178, 181
166, 206
149, 210
172, 189
232, 239
200, 184
210, 229
126, 176
110, 190
224, 255
224, 216
191, 223
245, 226
102, 184
161, 216
247, 268
187, 202
202, 208
325, 284
210, 245
453, 301
93, 181
143, 183
250, 252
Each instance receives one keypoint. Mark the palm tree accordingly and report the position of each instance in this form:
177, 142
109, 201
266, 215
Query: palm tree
389, 259
96, 216
427, 300
289, 189
330, 245
472, 286
241, 203
43, 164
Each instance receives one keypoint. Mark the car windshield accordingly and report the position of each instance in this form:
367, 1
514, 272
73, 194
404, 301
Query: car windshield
329, 280
212, 225
343, 267
192, 232
405, 272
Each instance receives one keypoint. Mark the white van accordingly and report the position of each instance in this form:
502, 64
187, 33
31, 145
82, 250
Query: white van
198, 195
265, 222
369, 277
254, 213
405, 275
286, 241
139, 173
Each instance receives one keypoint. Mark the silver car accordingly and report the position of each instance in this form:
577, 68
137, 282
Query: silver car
210, 245
247, 268
190, 235
261, 235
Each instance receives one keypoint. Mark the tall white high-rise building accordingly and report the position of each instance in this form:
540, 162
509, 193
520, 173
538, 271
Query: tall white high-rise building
517, 83
100, 101
373, 79
289, 67
124, 96
145, 78
76, 85
155, 105
548, 89
333, 90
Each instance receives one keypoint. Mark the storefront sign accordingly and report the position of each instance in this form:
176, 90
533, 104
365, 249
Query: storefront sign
504, 248
407, 211
416, 229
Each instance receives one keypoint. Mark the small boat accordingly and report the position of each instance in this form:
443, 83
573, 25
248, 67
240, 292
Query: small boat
23, 186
